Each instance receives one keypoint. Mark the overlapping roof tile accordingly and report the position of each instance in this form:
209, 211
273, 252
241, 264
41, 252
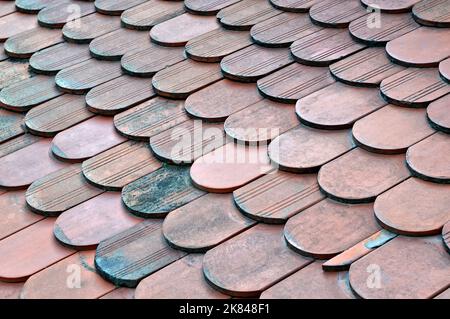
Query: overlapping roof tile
217, 149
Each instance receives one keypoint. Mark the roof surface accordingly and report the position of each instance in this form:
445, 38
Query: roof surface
217, 149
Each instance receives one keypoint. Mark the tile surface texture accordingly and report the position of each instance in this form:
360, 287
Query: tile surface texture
217, 149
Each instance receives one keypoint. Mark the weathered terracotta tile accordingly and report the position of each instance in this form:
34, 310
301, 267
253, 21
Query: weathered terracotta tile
115, 7
160, 192
120, 293
446, 236
414, 87
391, 6
34, 6
24, 44
150, 13
329, 228
59, 191
276, 197
16, 23
82, 77
119, 166
186, 277
146, 62
130, 256
338, 106
84, 226
11, 125
336, 13
444, 69
432, 13
216, 44
119, 94
230, 167
15, 213
324, 47
86, 139
179, 30
305, 149
204, 223
365, 68
186, 142
207, 7
380, 28
345, 259
57, 15
414, 208
56, 115
406, 267
294, 82
13, 71
231, 97
113, 45
23, 167
244, 14
391, 129
10, 290
184, 78
7, 7
58, 57
17, 143
251, 262
360, 176
311, 282
254, 62
434, 47
87, 28
261, 122
71, 278
24, 95
293, 5
29, 251
429, 158
150, 118
283, 29
439, 115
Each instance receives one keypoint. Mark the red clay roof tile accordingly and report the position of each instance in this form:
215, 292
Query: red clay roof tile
329, 228
186, 276
414, 208
84, 226
433, 13
251, 262
406, 267
204, 223
276, 197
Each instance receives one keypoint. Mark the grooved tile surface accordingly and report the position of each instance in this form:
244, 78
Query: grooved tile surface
160, 192
57, 15
133, 254
150, 118
120, 165
56, 192
150, 13
216, 44
276, 148
276, 197
119, 94
365, 68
